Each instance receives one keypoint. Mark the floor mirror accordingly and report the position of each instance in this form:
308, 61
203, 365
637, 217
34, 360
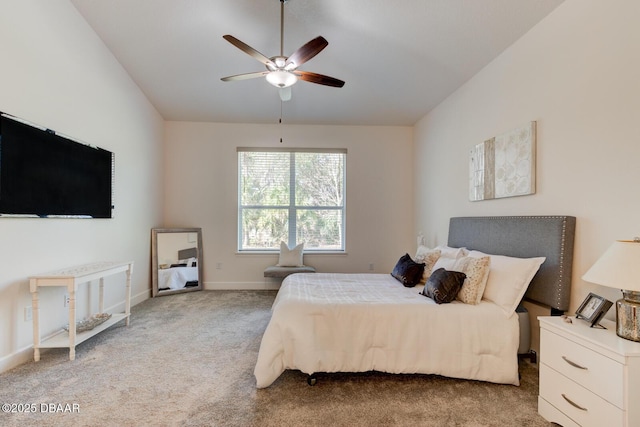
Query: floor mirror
176, 260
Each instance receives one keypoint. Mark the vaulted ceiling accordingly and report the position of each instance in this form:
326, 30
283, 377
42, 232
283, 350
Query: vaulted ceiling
399, 59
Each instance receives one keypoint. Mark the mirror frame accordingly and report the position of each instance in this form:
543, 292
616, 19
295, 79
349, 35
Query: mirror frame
154, 260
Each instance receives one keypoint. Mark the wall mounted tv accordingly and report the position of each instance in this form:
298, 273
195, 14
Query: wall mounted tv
44, 174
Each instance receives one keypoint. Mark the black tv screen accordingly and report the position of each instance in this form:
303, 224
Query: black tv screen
48, 175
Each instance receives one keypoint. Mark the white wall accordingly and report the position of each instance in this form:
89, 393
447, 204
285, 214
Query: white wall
55, 71
201, 191
576, 74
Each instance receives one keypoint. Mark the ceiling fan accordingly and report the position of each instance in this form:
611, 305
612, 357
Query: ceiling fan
282, 71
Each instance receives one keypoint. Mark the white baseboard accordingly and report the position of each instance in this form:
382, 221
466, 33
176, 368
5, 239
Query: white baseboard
12, 360
139, 297
267, 284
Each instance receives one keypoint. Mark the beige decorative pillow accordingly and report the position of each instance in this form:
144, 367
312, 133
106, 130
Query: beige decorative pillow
429, 258
477, 271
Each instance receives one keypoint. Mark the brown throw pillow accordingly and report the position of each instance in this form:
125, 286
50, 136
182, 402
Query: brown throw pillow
443, 285
407, 271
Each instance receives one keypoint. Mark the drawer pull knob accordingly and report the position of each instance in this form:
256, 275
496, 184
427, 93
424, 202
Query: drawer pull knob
573, 403
574, 364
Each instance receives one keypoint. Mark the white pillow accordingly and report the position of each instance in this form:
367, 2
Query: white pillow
429, 258
445, 262
509, 278
290, 257
191, 262
449, 252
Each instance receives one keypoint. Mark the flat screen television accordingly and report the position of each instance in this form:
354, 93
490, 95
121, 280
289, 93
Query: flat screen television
44, 174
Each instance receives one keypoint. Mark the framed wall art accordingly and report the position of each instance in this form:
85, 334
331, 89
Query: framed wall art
504, 166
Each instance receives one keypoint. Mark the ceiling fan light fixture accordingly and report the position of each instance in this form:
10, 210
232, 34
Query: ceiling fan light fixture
282, 71
281, 78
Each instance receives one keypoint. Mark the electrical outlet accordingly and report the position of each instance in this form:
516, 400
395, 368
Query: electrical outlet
28, 313
66, 300
218, 266
370, 266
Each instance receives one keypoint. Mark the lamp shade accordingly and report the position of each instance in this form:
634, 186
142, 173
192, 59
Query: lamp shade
618, 267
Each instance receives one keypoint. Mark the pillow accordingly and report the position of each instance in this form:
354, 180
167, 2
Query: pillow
189, 262
290, 257
444, 262
477, 271
429, 258
407, 271
509, 278
443, 285
449, 252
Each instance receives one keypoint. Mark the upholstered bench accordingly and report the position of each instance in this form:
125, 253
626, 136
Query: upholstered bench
282, 272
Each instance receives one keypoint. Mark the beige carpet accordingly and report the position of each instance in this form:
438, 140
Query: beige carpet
187, 360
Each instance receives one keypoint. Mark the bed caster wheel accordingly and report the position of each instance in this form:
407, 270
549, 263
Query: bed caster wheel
312, 380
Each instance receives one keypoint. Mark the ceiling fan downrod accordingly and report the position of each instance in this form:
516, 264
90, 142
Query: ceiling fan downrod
282, 2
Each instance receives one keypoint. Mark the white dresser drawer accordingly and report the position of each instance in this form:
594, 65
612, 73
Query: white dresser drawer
595, 372
553, 414
576, 402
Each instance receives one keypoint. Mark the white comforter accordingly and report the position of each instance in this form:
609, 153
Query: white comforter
176, 277
327, 322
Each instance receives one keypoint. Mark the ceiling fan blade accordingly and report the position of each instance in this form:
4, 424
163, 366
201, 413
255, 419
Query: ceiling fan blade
247, 49
244, 76
306, 52
318, 78
285, 93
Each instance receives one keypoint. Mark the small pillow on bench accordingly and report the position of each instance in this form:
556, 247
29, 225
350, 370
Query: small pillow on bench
290, 257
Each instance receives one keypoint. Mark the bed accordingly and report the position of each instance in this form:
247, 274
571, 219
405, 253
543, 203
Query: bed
326, 322
182, 274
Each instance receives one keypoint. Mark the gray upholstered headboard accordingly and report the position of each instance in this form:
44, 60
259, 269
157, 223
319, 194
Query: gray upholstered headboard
188, 253
525, 237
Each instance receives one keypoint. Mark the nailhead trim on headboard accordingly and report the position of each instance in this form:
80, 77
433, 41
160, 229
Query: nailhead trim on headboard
550, 236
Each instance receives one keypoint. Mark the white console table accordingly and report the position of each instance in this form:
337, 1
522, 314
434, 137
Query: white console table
71, 278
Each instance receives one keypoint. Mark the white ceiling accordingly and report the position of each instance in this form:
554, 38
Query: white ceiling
399, 59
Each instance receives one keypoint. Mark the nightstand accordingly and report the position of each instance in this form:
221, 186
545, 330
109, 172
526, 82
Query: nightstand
588, 376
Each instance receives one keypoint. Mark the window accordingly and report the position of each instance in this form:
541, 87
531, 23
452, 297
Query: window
291, 196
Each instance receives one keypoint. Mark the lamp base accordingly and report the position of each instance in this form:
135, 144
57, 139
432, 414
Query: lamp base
628, 316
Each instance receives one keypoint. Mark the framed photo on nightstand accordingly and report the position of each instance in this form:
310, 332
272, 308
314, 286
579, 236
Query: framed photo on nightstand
593, 309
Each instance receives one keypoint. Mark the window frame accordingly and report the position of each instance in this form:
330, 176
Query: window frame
291, 207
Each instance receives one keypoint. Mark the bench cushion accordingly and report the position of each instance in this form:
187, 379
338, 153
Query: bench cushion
282, 272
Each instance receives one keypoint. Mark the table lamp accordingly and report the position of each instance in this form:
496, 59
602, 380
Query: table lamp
619, 267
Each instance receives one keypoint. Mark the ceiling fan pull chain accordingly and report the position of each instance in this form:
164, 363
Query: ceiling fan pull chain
280, 122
